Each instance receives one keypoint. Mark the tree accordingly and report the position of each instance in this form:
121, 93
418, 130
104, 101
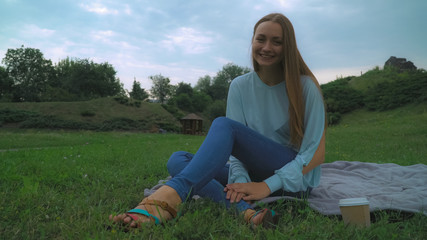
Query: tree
161, 89
138, 92
184, 102
216, 109
203, 84
184, 88
221, 82
6, 85
201, 101
30, 72
88, 80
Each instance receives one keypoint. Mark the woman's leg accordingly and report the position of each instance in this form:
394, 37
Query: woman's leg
227, 137
214, 189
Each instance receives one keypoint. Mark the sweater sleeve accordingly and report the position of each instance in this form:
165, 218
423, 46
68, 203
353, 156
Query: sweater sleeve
237, 172
290, 177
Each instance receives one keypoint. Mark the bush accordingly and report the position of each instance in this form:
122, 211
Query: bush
174, 110
120, 124
216, 109
16, 116
121, 99
53, 122
333, 118
169, 127
390, 95
87, 113
127, 101
341, 97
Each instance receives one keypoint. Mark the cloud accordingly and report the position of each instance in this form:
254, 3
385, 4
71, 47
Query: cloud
108, 37
189, 40
326, 75
129, 67
98, 8
223, 61
280, 5
32, 30
128, 10
102, 35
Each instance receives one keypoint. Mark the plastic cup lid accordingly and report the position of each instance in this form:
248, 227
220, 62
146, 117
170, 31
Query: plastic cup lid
353, 202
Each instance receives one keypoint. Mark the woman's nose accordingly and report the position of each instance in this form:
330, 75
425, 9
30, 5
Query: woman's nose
267, 46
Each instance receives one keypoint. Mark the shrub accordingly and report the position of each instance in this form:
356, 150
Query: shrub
333, 118
170, 127
87, 113
16, 116
341, 97
53, 122
121, 99
390, 95
120, 124
216, 109
174, 110
128, 101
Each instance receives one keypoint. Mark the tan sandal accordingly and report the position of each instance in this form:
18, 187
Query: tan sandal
269, 218
163, 205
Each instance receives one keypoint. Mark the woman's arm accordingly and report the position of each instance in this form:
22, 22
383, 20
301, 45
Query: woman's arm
290, 177
318, 158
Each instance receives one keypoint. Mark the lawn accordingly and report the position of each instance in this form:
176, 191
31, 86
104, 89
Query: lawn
64, 184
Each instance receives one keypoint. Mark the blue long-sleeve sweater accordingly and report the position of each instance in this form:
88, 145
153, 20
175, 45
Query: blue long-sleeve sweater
264, 109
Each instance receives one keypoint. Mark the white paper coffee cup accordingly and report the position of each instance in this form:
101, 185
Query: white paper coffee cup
355, 211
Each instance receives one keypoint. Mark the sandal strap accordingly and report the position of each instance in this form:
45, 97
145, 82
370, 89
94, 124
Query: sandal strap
142, 212
248, 216
164, 205
269, 219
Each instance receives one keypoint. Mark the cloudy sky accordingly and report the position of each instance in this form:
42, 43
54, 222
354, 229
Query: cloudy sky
185, 40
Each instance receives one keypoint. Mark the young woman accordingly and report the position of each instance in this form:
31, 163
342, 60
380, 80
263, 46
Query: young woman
273, 137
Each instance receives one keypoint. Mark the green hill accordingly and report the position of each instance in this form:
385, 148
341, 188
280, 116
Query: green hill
97, 114
376, 90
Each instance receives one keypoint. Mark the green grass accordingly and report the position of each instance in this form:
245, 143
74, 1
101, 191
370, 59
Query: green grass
63, 185
397, 136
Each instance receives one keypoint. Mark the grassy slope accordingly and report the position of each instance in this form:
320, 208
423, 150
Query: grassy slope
63, 185
104, 109
398, 136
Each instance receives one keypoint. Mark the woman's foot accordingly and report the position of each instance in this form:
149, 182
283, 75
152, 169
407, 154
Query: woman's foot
159, 207
267, 218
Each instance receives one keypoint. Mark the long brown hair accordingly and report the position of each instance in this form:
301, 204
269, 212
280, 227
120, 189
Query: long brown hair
293, 67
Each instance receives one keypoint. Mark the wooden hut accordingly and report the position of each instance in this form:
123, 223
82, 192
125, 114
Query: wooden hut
192, 124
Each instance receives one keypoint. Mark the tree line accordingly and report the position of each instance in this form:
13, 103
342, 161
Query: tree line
28, 77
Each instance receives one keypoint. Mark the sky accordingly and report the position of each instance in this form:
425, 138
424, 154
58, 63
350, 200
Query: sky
186, 40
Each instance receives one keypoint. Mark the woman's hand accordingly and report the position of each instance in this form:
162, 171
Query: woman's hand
247, 191
233, 196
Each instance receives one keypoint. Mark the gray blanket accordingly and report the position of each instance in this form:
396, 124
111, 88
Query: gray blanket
386, 186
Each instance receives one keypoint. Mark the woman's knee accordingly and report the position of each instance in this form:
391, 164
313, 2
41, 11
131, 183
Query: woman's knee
221, 121
178, 161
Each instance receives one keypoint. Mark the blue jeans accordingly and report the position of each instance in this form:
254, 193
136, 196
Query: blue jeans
206, 172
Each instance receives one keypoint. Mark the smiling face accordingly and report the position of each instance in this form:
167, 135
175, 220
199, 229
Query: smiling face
267, 44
